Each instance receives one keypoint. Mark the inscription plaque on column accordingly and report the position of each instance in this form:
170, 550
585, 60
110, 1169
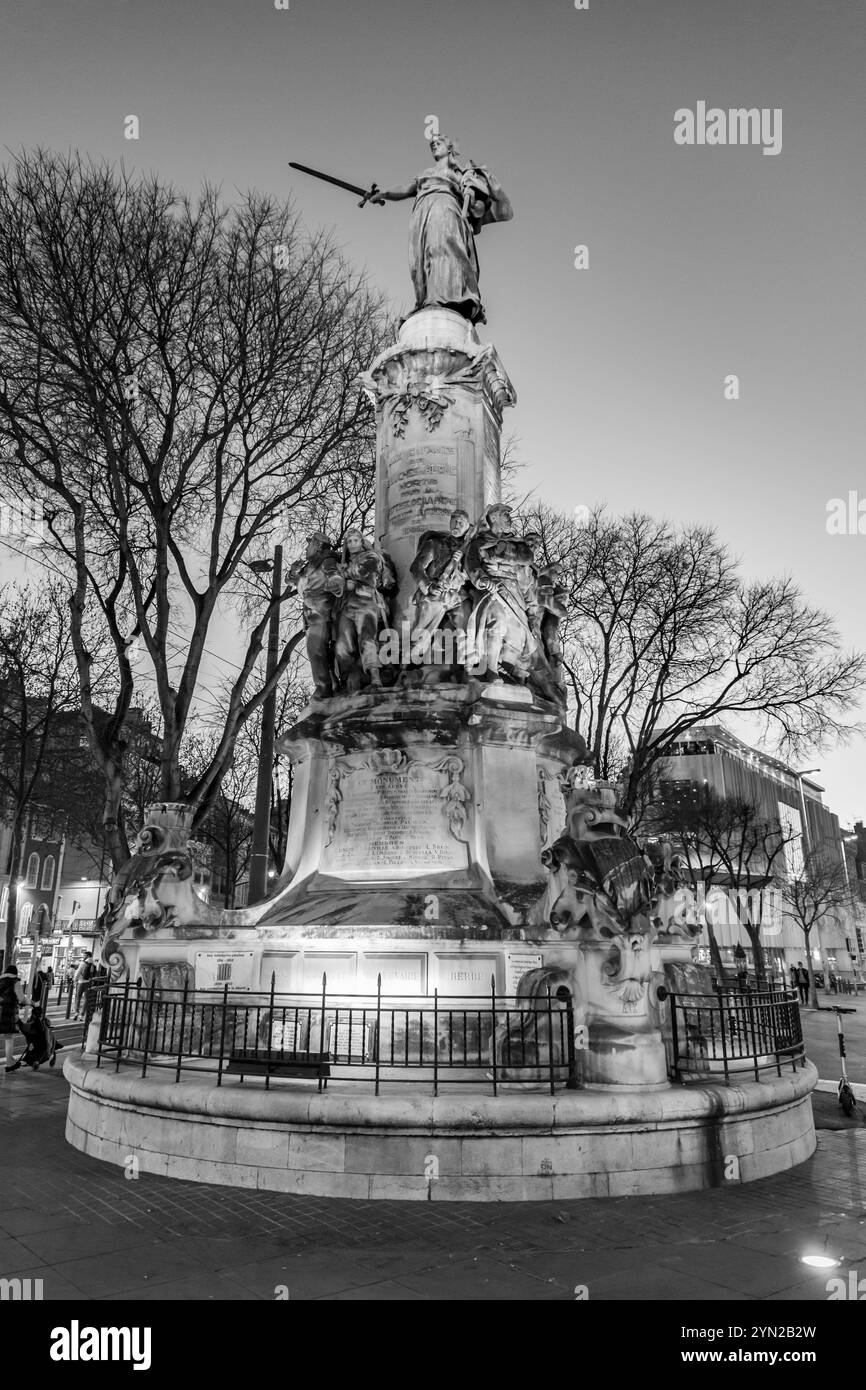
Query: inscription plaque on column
395, 822
421, 491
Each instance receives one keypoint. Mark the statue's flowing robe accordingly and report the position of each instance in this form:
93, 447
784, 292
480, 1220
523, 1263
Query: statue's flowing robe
442, 251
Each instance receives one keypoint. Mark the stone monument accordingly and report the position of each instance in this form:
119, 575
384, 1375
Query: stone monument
446, 836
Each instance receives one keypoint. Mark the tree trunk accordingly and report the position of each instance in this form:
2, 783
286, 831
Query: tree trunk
715, 954
754, 934
112, 817
16, 872
813, 988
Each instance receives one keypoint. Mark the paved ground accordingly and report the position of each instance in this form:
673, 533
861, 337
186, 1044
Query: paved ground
91, 1234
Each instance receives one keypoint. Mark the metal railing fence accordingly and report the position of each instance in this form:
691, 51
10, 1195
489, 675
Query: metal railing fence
731, 1033
370, 1038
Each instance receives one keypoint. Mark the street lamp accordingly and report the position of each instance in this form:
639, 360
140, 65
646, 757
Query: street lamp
262, 814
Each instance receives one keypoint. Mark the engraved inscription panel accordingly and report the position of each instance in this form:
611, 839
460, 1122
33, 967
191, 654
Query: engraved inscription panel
392, 825
466, 975
421, 489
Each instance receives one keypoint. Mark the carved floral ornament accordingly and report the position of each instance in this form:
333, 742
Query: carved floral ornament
425, 382
395, 762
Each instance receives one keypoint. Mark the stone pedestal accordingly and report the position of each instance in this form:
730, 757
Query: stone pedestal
439, 396
418, 812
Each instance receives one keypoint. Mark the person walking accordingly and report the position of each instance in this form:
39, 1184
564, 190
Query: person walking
82, 979
11, 999
803, 982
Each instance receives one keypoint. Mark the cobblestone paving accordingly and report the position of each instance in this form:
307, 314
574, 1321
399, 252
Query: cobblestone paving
90, 1233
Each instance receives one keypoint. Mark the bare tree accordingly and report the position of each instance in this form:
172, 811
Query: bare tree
39, 732
664, 633
818, 891
728, 843
177, 385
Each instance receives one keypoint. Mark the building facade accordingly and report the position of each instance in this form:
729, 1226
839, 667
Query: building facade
713, 760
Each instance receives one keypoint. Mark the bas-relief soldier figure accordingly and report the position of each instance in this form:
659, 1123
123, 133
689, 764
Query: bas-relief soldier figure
320, 586
454, 199
502, 632
369, 579
552, 594
442, 597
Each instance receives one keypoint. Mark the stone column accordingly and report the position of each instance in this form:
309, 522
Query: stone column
439, 397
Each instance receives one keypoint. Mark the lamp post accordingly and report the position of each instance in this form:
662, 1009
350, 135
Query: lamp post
262, 817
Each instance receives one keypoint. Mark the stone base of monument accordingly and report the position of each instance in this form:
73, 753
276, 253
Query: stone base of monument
468, 1146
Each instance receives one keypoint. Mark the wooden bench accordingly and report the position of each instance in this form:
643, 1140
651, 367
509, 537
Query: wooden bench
304, 1064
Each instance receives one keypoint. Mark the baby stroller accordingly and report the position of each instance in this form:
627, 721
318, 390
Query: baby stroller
42, 1045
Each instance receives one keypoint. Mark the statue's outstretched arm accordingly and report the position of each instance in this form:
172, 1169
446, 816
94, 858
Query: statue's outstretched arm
395, 195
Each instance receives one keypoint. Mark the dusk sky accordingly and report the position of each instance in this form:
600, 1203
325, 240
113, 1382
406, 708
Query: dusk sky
703, 261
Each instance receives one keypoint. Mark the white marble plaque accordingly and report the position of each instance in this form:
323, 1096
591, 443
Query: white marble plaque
517, 963
349, 1039
341, 971
394, 823
401, 974
465, 975
287, 1035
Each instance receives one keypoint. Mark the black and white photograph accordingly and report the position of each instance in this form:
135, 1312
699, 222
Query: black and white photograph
432, 669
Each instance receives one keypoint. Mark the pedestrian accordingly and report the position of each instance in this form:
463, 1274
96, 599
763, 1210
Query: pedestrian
82, 980
803, 982
49, 975
39, 992
11, 999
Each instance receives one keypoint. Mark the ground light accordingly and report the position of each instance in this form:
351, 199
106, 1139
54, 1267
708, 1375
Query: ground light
819, 1261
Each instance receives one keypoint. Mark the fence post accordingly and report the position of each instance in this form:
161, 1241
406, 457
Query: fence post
270, 1030
378, 1025
571, 1083
494, 1076
721, 999
152, 991
435, 1041
550, 1041
753, 1005
675, 1039
121, 1043
322, 1026
104, 1018
223, 1032
182, 1021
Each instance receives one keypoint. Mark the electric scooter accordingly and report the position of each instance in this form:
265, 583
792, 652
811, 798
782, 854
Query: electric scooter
846, 1096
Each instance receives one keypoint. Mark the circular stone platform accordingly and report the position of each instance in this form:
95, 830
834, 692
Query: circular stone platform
514, 1147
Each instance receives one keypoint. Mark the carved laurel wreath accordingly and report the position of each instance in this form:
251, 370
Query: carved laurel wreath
431, 405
